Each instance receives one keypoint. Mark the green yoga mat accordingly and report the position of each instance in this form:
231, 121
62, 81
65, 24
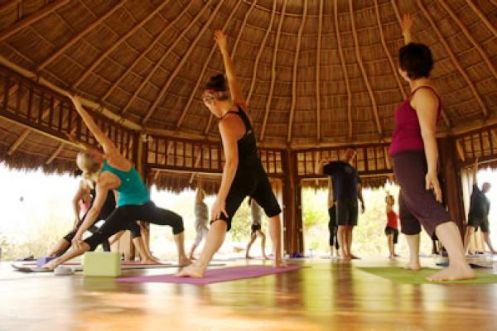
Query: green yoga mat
404, 276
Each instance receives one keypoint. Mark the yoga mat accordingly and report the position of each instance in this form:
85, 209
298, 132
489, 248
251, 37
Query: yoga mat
472, 265
213, 275
405, 276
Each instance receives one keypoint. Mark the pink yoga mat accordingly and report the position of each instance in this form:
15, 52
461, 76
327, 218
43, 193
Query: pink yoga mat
213, 275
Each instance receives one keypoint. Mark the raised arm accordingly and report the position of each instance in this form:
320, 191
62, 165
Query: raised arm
475, 171
75, 202
102, 139
235, 91
406, 25
331, 201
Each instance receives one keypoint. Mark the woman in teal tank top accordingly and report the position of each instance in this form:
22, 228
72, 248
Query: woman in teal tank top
112, 171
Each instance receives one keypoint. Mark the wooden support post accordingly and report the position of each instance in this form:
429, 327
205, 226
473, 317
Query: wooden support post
293, 240
451, 175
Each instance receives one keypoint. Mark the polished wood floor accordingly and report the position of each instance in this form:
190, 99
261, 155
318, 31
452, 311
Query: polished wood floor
321, 296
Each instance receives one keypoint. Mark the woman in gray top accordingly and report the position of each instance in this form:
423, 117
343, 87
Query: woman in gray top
256, 229
201, 219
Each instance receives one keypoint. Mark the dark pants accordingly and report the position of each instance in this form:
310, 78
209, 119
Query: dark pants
333, 227
126, 217
69, 237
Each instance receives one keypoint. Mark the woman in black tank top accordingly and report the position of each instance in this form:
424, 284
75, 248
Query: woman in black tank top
243, 173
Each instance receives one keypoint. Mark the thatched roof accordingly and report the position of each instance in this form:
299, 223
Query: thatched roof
316, 72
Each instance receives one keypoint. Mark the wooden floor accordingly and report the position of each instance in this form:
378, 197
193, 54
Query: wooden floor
321, 296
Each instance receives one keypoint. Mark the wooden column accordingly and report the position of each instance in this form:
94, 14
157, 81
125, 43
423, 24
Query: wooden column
293, 240
451, 180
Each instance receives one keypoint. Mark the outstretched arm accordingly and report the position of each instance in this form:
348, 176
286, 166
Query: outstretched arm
236, 93
475, 171
103, 140
406, 25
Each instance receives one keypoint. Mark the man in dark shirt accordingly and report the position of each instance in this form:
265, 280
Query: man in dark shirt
479, 208
346, 188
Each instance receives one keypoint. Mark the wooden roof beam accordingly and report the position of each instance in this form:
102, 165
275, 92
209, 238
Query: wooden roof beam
454, 59
123, 38
344, 70
159, 63
318, 72
363, 71
77, 37
273, 71
36, 16
259, 52
152, 45
180, 65
208, 60
12, 90
55, 153
387, 53
242, 27
294, 74
482, 17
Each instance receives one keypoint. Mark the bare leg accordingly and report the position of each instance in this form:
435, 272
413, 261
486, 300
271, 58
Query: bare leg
215, 239
263, 245
143, 252
449, 235
470, 230
253, 236
70, 254
486, 237
390, 246
60, 247
179, 240
192, 251
349, 242
342, 241
413, 243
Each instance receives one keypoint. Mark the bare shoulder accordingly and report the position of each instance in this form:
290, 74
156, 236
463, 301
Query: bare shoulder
107, 180
425, 96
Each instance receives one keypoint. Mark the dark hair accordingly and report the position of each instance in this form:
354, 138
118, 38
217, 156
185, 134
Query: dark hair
416, 59
216, 83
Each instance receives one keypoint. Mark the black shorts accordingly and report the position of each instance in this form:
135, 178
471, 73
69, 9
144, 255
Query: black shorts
250, 181
333, 227
395, 232
347, 212
255, 227
479, 223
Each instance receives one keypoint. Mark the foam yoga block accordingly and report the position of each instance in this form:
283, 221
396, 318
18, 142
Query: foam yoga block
41, 261
103, 264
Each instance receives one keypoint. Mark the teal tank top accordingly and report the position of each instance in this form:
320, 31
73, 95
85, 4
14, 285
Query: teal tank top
132, 190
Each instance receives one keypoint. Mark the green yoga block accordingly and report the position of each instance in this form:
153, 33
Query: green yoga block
102, 264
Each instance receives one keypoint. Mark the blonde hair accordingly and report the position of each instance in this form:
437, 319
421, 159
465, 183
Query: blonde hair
88, 165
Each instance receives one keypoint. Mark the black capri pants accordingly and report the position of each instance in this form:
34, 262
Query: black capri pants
126, 217
250, 181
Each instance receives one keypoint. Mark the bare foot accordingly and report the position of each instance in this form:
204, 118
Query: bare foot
353, 257
248, 257
414, 266
150, 260
184, 261
193, 271
51, 265
279, 263
266, 257
462, 271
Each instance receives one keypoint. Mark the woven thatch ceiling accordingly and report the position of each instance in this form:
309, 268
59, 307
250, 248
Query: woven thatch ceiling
315, 71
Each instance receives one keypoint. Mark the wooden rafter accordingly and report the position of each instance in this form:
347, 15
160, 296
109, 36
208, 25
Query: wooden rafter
482, 17
151, 46
180, 65
55, 153
363, 71
81, 34
12, 90
454, 59
468, 35
294, 74
344, 70
242, 27
318, 72
122, 39
24, 22
8, 4
259, 52
169, 50
273, 71
207, 61
387, 53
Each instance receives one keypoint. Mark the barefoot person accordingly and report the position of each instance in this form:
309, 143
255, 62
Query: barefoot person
392, 228
112, 171
415, 159
201, 219
256, 229
243, 174
346, 189
82, 203
478, 212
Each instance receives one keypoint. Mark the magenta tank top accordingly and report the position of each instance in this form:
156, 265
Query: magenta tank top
407, 133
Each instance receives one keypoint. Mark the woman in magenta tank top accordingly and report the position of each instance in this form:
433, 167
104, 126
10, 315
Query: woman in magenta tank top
414, 152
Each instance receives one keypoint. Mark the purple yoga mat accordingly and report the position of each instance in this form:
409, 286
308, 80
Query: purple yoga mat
213, 275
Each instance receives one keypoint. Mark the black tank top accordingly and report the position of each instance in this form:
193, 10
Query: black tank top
109, 204
247, 144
